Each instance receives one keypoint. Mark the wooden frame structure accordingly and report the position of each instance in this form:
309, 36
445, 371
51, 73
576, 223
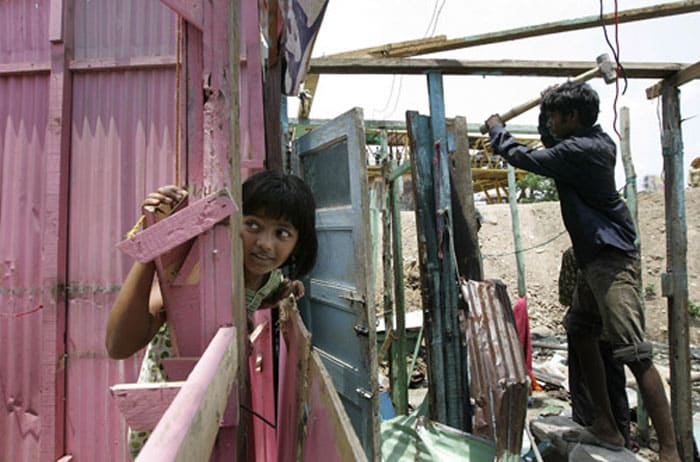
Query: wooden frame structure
387, 59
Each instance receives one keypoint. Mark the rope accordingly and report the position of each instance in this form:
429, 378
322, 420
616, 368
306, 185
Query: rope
135, 228
132, 232
536, 246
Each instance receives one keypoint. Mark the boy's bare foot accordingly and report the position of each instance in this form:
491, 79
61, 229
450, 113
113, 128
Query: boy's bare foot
585, 435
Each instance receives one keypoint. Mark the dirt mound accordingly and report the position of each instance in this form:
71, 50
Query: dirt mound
544, 238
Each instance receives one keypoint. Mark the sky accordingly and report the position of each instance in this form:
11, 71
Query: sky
354, 24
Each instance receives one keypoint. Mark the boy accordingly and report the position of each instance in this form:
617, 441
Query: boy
600, 226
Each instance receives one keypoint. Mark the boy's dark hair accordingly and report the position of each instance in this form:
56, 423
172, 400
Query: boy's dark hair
278, 195
573, 96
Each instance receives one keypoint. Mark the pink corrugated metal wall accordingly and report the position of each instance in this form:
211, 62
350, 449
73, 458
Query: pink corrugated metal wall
121, 115
122, 147
23, 121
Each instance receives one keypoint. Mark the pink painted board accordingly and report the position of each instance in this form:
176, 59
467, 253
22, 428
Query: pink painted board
142, 405
295, 348
178, 368
190, 10
189, 427
329, 435
252, 118
262, 386
179, 227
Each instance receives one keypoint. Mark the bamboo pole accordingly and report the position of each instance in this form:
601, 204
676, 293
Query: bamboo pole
515, 220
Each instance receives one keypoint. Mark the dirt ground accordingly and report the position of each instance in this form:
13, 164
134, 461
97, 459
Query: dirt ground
542, 233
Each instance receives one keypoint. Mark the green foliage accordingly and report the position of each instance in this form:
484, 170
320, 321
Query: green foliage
649, 291
693, 308
537, 188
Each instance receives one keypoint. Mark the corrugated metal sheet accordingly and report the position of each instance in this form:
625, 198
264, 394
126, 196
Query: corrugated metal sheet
122, 147
23, 119
24, 31
498, 377
123, 29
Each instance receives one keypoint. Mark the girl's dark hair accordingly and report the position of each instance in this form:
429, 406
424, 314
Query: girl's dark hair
573, 96
282, 196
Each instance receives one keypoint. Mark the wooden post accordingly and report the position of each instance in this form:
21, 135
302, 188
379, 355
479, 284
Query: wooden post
466, 239
515, 220
55, 234
675, 280
630, 175
454, 373
399, 375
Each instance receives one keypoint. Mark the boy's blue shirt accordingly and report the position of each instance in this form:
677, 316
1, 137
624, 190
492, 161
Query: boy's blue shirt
583, 169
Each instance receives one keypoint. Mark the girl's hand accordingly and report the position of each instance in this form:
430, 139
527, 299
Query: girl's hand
297, 288
164, 199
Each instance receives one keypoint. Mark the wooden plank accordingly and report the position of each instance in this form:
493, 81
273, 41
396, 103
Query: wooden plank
179, 227
446, 331
188, 428
179, 368
143, 404
54, 243
525, 68
637, 14
684, 75
56, 21
213, 164
295, 351
117, 64
465, 236
262, 387
677, 271
191, 10
37, 67
329, 435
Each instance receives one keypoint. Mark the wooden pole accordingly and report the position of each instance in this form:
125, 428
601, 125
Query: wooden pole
515, 219
399, 386
675, 280
630, 175
466, 239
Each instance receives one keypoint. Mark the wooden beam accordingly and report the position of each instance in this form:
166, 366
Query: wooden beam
635, 70
179, 228
131, 63
191, 10
143, 404
188, 428
37, 67
441, 43
405, 49
685, 75
54, 237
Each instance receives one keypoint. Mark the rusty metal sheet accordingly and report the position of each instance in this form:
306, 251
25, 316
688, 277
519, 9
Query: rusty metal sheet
498, 385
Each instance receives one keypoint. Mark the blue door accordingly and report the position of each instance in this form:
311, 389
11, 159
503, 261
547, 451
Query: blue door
339, 309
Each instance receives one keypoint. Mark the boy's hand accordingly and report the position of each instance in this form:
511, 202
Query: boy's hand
494, 121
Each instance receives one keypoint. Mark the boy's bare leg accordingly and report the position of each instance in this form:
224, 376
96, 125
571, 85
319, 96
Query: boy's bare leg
654, 396
591, 361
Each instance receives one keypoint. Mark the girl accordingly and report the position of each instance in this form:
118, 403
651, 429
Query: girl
278, 233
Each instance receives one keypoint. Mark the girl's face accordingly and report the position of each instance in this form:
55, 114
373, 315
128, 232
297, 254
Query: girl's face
267, 243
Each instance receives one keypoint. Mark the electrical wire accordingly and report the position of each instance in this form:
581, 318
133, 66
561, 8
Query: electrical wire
619, 70
429, 31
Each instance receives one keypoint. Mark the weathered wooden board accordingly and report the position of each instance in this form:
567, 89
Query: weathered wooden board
189, 427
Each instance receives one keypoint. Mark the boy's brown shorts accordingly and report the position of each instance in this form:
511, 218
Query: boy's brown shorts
607, 303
